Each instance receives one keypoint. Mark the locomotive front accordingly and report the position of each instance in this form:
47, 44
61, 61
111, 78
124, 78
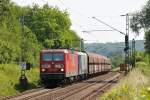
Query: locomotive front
52, 65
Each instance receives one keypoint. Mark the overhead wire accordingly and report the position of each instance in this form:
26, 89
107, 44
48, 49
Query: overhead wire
45, 1
78, 13
108, 25
80, 26
83, 15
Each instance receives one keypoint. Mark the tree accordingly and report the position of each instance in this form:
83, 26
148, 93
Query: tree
141, 20
4, 9
10, 47
9, 33
147, 42
30, 47
42, 27
50, 24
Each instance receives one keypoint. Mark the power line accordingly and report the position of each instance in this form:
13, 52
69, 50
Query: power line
108, 25
93, 18
45, 1
89, 35
75, 11
96, 30
81, 14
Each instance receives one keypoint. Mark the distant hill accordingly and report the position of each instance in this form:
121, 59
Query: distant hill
111, 49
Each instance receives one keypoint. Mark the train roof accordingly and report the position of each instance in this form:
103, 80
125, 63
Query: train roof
98, 55
56, 50
82, 53
79, 52
60, 50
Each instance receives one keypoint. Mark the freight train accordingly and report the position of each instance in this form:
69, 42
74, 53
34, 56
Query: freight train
66, 65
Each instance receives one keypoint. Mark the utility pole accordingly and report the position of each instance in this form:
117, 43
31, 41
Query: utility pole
82, 45
22, 33
127, 33
126, 50
23, 79
133, 53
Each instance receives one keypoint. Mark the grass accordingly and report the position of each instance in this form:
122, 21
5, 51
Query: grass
9, 79
136, 86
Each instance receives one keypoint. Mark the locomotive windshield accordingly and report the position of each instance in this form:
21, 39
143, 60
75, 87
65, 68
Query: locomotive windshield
58, 57
53, 57
47, 57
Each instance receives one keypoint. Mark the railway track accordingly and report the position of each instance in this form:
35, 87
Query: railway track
90, 91
23, 93
101, 89
79, 91
29, 94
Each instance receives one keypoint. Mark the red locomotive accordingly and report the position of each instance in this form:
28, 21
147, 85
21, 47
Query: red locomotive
62, 65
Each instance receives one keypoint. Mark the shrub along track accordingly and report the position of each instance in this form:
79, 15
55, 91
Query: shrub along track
83, 90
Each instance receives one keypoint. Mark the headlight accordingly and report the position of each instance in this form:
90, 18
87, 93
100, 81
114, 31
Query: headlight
43, 70
46, 66
59, 66
62, 69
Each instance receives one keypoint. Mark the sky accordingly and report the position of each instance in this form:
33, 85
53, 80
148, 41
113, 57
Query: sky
82, 11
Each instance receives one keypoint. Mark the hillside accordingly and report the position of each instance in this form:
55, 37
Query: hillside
111, 49
115, 51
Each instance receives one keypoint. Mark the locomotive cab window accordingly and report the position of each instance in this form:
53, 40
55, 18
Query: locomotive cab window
53, 57
58, 57
47, 57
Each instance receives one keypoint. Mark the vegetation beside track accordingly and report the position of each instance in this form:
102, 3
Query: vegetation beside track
9, 79
24, 31
135, 86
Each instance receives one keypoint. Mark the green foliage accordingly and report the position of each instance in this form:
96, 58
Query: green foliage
141, 20
115, 51
4, 10
136, 85
147, 42
9, 45
141, 57
24, 37
9, 34
49, 24
116, 60
9, 79
42, 25
30, 47
111, 49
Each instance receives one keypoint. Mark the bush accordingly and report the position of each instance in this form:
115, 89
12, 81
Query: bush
133, 87
9, 79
